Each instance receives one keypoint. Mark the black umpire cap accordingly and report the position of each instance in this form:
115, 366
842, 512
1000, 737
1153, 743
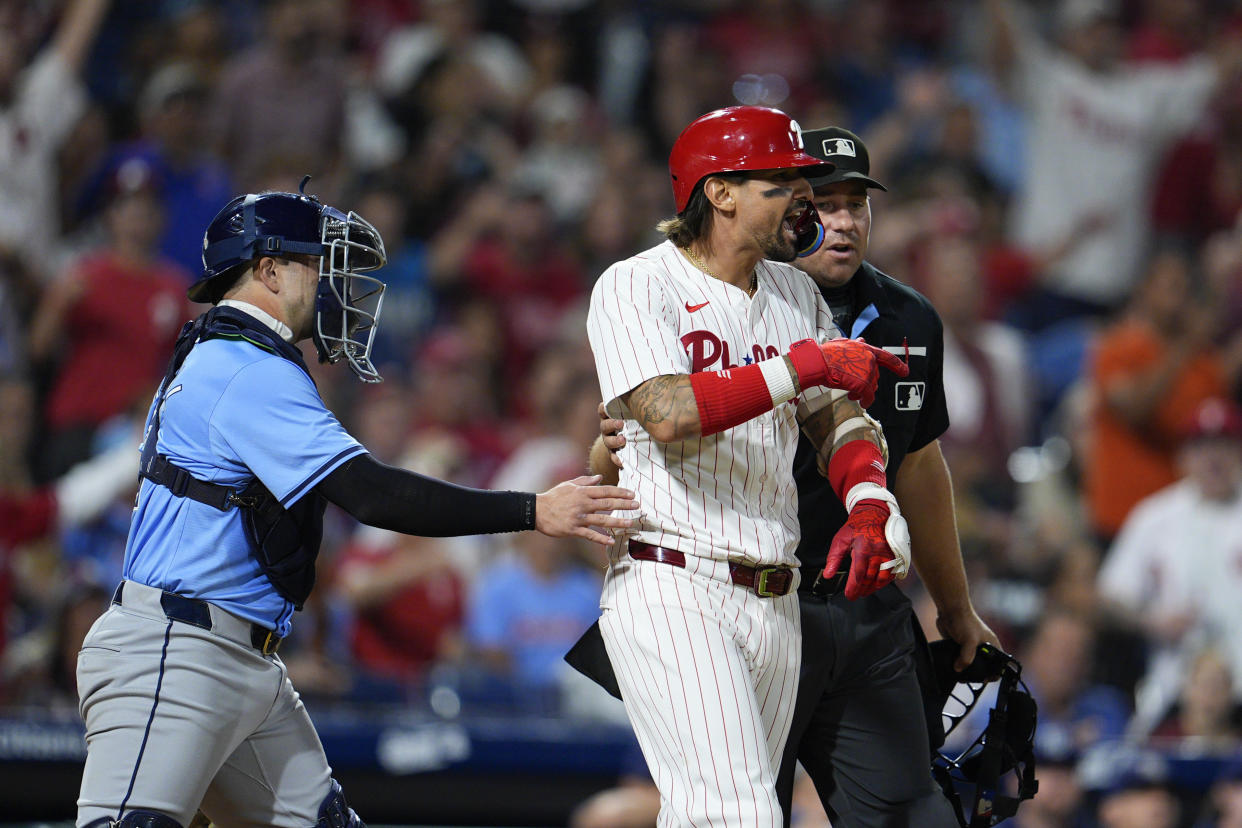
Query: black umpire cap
843, 148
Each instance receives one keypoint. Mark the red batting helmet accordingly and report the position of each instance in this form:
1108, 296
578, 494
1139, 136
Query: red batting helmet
736, 138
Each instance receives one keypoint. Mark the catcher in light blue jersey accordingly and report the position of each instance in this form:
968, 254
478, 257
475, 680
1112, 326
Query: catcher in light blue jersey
187, 704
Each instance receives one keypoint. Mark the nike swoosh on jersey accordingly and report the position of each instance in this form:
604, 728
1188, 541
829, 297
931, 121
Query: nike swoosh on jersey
692, 308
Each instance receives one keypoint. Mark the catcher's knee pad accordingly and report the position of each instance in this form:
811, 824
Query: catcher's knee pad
335, 811
136, 819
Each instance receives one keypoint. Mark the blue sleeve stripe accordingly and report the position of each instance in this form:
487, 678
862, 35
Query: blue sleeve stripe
321, 473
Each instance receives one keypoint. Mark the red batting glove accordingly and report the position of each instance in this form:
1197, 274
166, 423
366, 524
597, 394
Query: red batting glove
862, 538
849, 364
875, 536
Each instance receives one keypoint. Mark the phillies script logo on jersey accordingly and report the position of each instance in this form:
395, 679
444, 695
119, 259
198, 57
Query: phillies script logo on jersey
706, 350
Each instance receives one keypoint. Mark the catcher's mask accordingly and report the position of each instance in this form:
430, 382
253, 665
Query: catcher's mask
1005, 747
347, 304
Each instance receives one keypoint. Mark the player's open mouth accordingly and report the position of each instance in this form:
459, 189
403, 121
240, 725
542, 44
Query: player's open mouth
789, 223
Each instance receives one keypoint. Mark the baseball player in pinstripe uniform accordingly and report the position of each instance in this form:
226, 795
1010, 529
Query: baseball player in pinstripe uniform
713, 351
183, 694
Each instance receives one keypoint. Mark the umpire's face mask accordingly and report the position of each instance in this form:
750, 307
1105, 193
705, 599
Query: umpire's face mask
347, 304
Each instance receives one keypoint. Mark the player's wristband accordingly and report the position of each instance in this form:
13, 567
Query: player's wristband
528, 510
858, 461
733, 396
778, 379
868, 490
808, 363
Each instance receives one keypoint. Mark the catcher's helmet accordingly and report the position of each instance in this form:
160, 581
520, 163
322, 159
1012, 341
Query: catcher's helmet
736, 138
280, 224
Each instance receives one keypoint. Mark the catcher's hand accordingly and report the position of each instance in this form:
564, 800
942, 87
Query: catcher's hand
875, 538
581, 508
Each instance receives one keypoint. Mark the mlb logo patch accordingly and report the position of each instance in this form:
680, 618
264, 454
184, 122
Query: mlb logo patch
910, 395
839, 146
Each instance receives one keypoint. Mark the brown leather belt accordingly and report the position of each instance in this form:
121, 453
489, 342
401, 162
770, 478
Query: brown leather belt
766, 581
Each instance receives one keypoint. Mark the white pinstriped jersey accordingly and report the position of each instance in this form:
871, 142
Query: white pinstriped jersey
729, 496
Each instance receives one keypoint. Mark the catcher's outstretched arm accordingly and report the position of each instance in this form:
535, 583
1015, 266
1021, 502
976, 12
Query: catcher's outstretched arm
404, 501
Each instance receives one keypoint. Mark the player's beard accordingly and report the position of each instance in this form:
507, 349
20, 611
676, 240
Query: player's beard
777, 247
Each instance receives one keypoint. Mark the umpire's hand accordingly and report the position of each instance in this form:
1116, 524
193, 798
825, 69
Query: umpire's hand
572, 508
963, 625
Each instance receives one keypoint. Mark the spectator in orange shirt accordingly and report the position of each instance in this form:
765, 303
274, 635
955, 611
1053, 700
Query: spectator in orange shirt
1150, 369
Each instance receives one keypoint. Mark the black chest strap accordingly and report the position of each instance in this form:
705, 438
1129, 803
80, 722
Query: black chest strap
180, 482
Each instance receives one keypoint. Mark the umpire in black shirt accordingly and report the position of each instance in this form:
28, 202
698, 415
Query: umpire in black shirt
859, 727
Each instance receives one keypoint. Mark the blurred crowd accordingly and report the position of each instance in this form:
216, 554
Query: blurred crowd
1064, 183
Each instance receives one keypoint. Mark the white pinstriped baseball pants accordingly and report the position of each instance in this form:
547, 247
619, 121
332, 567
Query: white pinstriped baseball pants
709, 673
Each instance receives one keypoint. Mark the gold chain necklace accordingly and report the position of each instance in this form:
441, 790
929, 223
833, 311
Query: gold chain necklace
701, 265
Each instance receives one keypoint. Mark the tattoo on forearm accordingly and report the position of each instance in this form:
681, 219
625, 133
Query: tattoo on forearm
665, 398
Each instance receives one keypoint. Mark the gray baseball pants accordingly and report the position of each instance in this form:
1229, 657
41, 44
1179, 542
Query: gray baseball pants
180, 717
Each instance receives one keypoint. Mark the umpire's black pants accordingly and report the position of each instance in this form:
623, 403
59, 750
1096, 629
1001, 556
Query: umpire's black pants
858, 725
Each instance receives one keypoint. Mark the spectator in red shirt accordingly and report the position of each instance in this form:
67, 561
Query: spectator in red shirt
104, 328
455, 412
408, 597
1199, 191
528, 275
1168, 31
